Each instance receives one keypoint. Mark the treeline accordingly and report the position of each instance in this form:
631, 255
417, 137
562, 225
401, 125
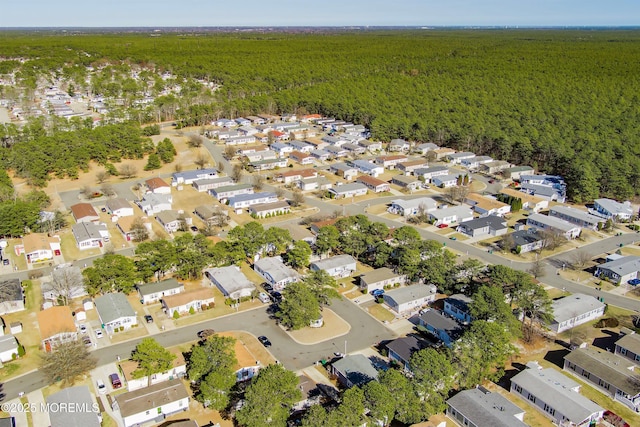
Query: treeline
564, 102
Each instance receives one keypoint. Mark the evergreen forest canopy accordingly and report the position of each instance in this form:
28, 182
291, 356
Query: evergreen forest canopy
565, 102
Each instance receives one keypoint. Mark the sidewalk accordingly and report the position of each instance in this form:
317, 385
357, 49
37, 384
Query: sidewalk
38, 417
19, 415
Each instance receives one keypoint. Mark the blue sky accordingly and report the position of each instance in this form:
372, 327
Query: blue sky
157, 13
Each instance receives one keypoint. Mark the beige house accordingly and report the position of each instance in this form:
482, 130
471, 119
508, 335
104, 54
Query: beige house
185, 301
56, 326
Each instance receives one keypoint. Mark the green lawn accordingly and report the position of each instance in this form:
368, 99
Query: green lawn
381, 313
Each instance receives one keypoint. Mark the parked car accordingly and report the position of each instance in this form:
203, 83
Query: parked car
264, 340
205, 333
194, 228
267, 287
377, 292
277, 296
634, 282
442, 226
6, 261
148, 318
115, 381
99, 333
102, 389
264, 298
83, 329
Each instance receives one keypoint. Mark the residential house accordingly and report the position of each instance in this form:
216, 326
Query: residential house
157, 186
153, 292
446, 181
119, 207
486, 206
311, 394
246, 366
276, 272
551, 187
316, 226
300, 157
269, 164
344, 170
74, 284
374, 184
224, 193
321, 154
115, 312
240, 140
401, 349
407, 300
527, 240
348, 190
475, 162
428, 173
457, 306
486, 226
242, 201
281, 148
189, 177
494, 167
621, 270
574, 310
553, 224
354, 370
390, 162
11, 296
125, 225
529, 202
336, 151
371, 146
545, 192
231, 281
209, 214
152, 204
178, 370
73, 407
576, 216
90, 235
185, 302
299, 232
556, 396
425, 148
153, 403
411, 166
312, 184
262, 210
399, 145
608, 208
612, 374
457, 158
84, 212
412, 206
379, 278
241, 121
300, 146
629, 346
56, 326
514, 172
408, 182
39, 247
480, 407
256, 120
171, 221
296, 175
440, 326
247, 130
337, 266
354, 148
450, 215
368, 167
258, 155
442, 153
8, 348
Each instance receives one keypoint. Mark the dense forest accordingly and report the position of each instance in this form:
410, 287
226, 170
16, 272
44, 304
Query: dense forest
565, 102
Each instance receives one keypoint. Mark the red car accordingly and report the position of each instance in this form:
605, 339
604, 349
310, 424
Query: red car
442, 226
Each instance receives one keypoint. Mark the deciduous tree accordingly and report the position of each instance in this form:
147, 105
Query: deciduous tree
66, 362
152, 358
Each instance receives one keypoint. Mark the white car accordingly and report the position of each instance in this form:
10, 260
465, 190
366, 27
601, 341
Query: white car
264, 298
102, 389
99, 333
83, 329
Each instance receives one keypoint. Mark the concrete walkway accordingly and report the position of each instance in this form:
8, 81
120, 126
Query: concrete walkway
38, 416
15, 409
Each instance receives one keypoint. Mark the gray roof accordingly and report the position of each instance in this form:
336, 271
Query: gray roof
221, 180
357, 369
153, 199
614, 207
492, 221
342, 167
147, 398
364, 164
87, 230
113, 306
410, 293
576, 213
405, 179
552, 222
208, 211
428, 202
79, 395
441, 322
378, 275
196, 173
540, 190
334, 262
270, 206
228, 188
274, 267
631, 342
573, 305
163, 286
230, 278
398, 141
461, 155
484, 408
406, 346
432, 169
11, 290
616, 370
252, 196
557, 389
519, 169
525, 237
460, 301
117, 203
622, 266
8, 342
346, 188
166, 217
459, 211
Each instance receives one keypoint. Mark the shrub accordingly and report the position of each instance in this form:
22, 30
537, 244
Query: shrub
192, 310
21, 351
176, 315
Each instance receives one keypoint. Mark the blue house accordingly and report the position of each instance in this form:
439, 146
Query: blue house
457, 306
442, 327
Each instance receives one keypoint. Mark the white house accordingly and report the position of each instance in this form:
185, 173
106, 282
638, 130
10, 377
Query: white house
115, 312
457, 158
227, 191
170, 220
153, 292
485, 206
556, 225
409, 299
412, 206
311, 184
399, 145
429, 173
374, 184
39, 247
390, 162
185, 302
90, 235
425, 148
576, 216
411, 166
203, 185
8, 347
119, 207
450, 215
475, 162
348, 190
620, 270
529, 202
276, 272
153, 403
480, 407
157, 186
574, 310
337, 266
231, 281
188, 177
608, 208
368, 168
56, 326
178, 370
245, 200
379, 278
346, 171
152, 204
445, 181
262, 210
268, 164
